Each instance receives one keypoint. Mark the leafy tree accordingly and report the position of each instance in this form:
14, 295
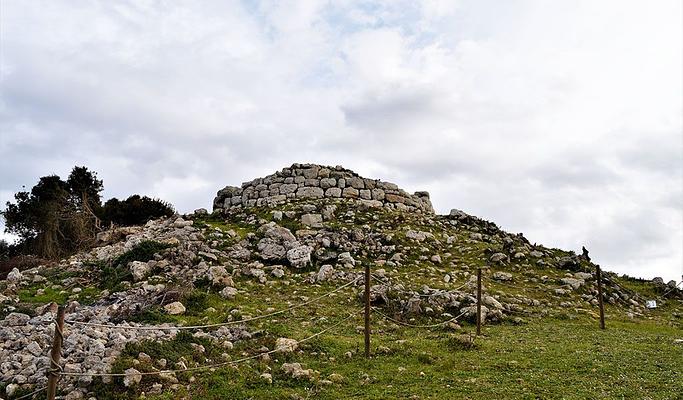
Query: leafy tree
36, 216
58, 217
4, 250
85, 188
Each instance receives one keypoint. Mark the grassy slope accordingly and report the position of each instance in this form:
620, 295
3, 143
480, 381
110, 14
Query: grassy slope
563, 355
545, 358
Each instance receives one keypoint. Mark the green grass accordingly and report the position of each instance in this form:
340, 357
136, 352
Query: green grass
60, 296
549, 359
115, 272
563, 357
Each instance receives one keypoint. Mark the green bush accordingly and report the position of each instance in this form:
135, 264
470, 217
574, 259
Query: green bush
117, 271
135, 210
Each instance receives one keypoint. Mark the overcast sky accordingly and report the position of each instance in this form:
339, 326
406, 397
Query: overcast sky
558, 119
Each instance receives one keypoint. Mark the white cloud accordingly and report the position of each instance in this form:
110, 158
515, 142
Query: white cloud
561, 120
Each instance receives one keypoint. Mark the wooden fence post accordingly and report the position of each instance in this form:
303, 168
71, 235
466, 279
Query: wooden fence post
367, 310
478, 301
56, 355
600, 301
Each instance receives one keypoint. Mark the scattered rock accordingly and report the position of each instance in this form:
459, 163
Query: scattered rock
139, 269
296, 371
325, 273
286, 345
501, 276
300, 256
312, 220
15, 276
228, 292
266, 377
498, 257
132, 378
175, 308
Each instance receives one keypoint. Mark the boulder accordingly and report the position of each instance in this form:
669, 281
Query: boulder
219, 276
15, 276
300, 256
418, 235
139, 269
271, 249
572, 282
325, 273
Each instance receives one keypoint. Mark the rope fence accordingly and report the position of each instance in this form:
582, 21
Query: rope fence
442, 323
210, 366
415, 292
206, 326
26, 396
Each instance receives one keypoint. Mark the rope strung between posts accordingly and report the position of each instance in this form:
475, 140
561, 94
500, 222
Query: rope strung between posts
417, 326
670, 290
413, 293
236, 322
26, 396
523, 312
222, 364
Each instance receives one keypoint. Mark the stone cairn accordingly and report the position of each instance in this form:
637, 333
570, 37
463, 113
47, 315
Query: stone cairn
311, 181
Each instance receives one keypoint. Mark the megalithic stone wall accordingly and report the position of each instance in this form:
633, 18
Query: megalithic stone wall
311, 181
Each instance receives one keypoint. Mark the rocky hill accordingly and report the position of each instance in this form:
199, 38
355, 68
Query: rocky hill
259, 270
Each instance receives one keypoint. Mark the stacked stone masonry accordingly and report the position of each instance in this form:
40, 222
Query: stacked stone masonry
311, 181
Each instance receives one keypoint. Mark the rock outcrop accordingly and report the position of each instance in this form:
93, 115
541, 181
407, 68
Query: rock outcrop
311, 181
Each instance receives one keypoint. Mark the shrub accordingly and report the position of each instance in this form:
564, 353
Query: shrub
135, 210
117, 271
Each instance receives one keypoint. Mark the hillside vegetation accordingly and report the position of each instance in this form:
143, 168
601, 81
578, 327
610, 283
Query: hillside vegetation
282, 286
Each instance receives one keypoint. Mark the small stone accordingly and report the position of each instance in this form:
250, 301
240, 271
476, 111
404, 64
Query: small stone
74, 395
132, 377
34, 348
144, 358
139, 270
286, 345
228, 292
312, 220
501, 276
326, 272
266, 377
175, 308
